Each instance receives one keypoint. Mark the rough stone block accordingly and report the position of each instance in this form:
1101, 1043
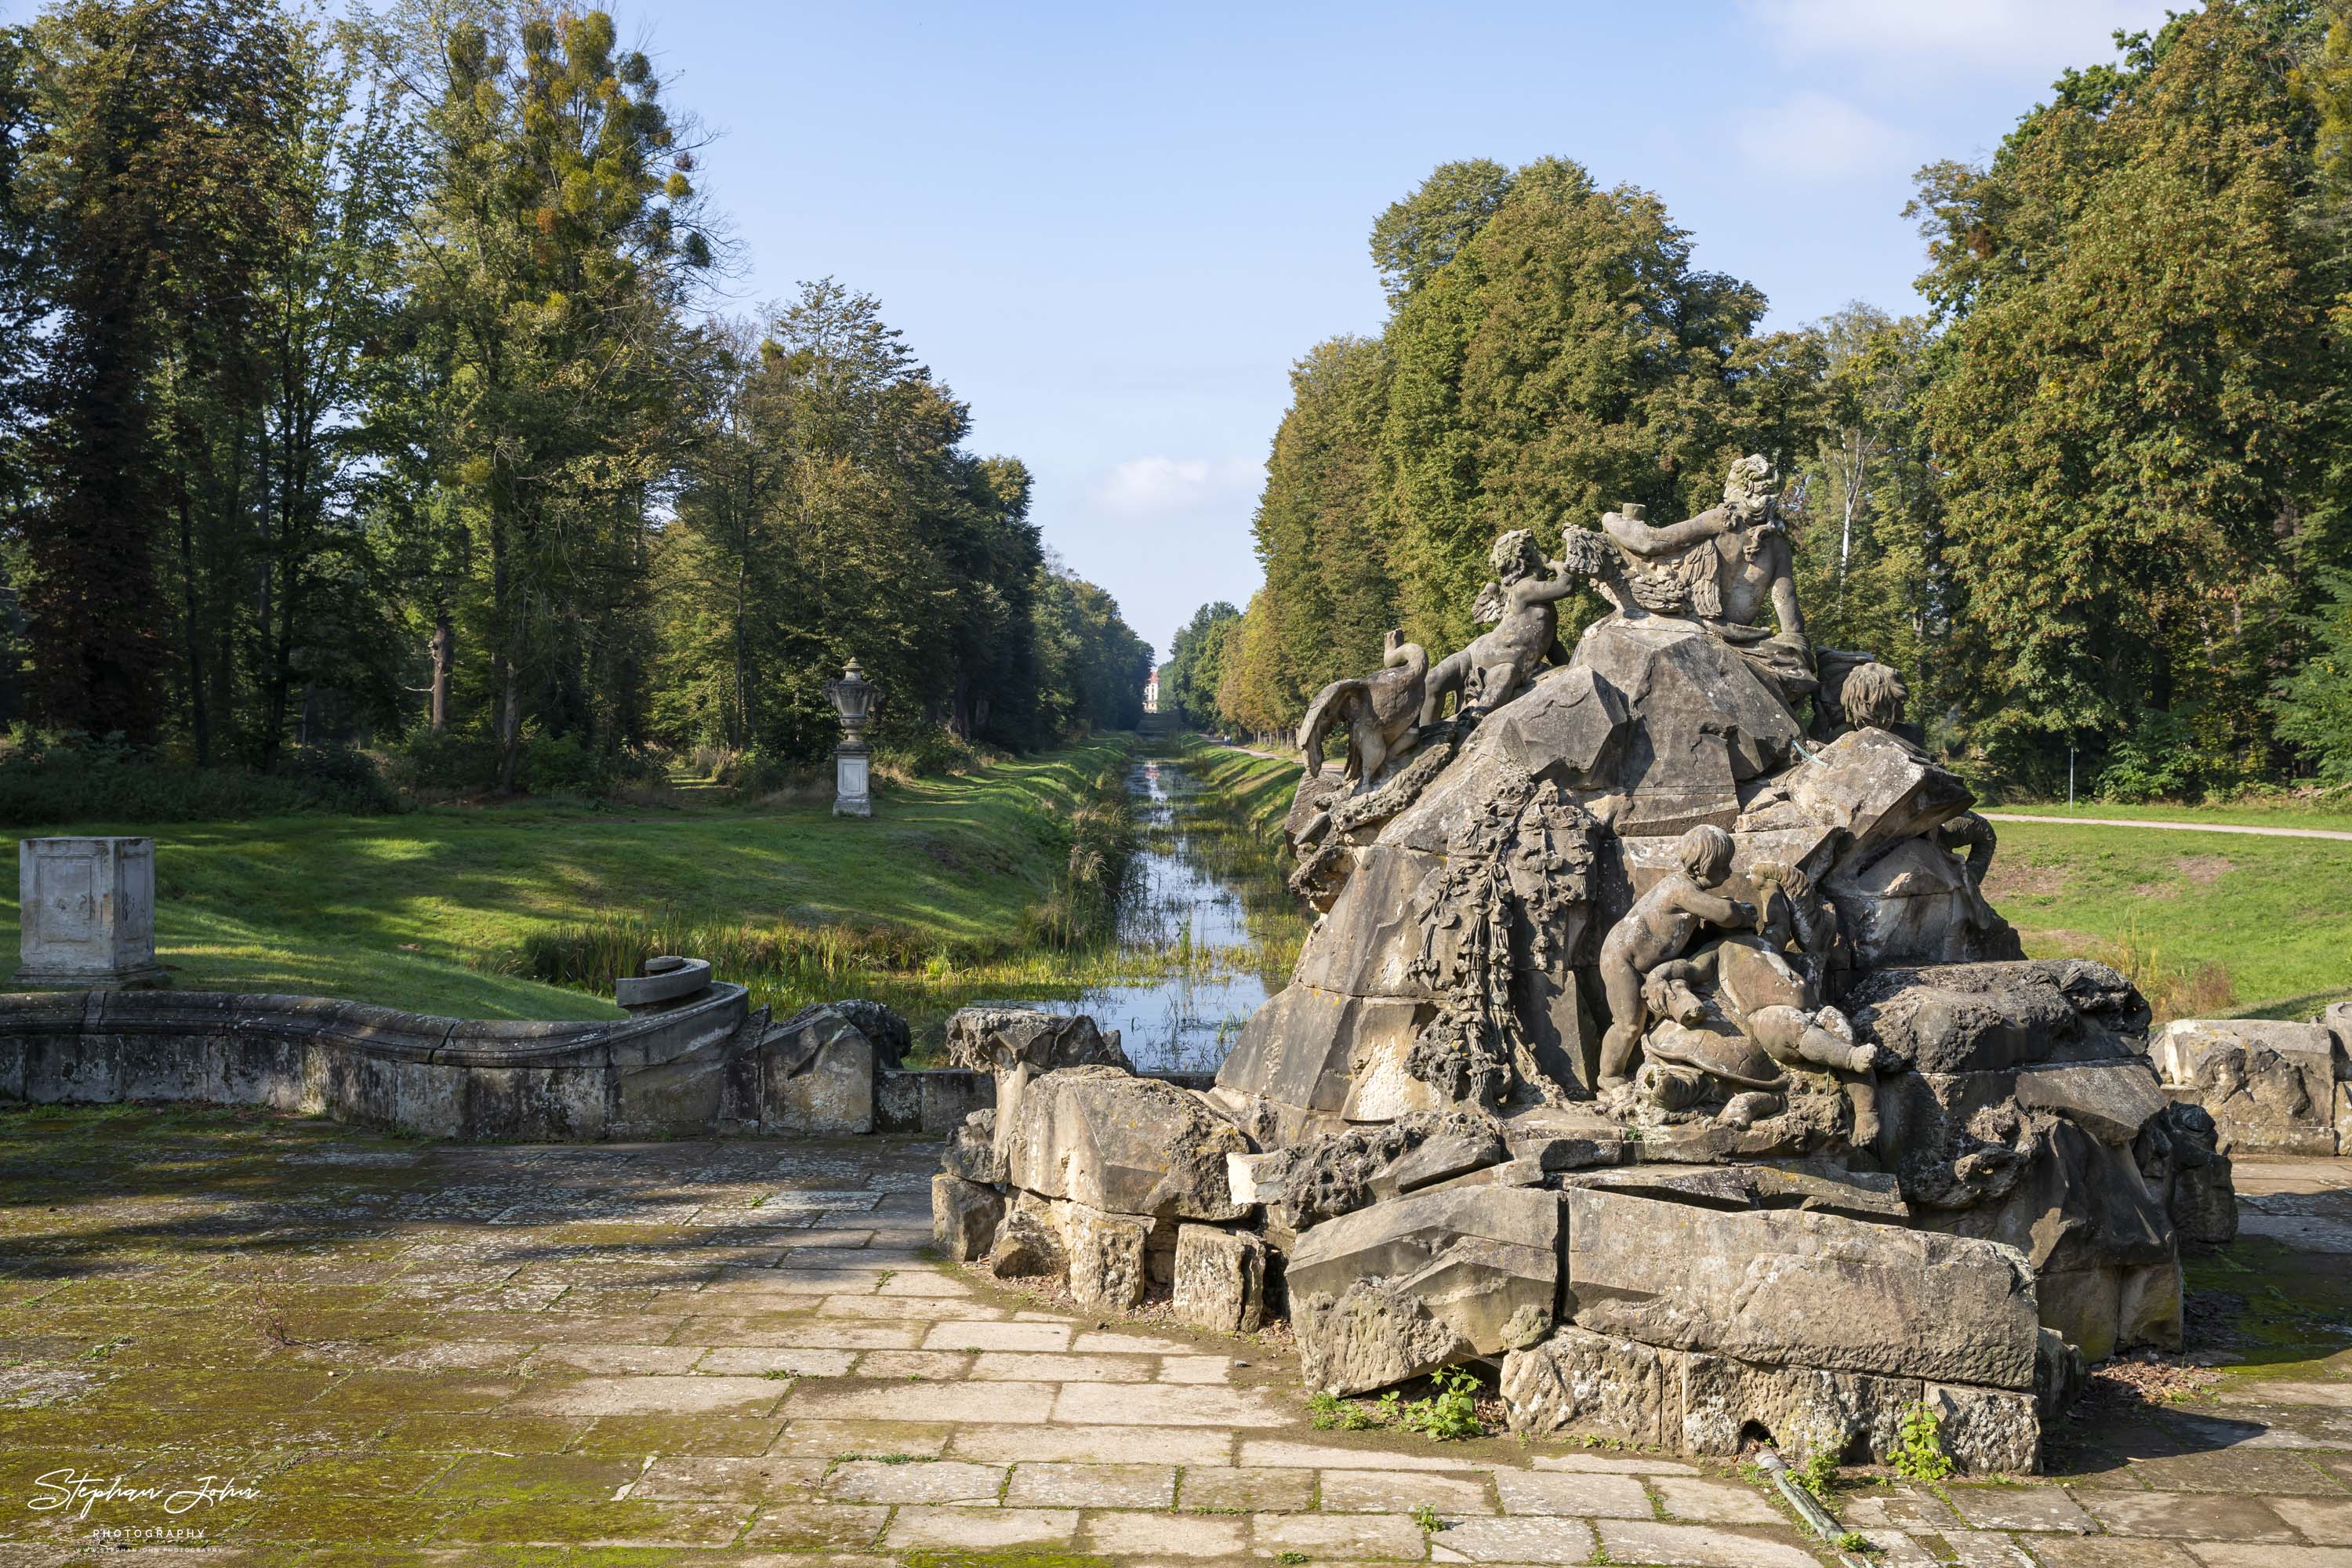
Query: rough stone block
1220, 1278
1989, 1017
1473, 1255
1988, 1431
1104, 1138
1570, 729
1295, 1050
818, 1070
2203, 1201
1367, 944
1877, 789
2110, 1101
964, 1218
2269, 1086
2149, 1306
2059, 1376
1028, 1246
1109, 1256
1438, 1159
2082, 1306
1805, 1410
1793, 1287
1913, 905
971, 1150
1371, 1336
1577, 1381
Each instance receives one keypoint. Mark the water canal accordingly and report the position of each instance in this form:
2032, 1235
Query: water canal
1206, 930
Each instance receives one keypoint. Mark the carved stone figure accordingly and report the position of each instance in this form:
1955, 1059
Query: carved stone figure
1660, 927
1381, 712
1522, 604
1725, 568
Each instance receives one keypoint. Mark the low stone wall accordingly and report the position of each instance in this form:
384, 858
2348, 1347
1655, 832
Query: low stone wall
704, 1064
653, 1074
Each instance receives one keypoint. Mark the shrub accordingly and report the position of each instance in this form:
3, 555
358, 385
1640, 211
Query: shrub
451, 761
47, 780
340, 779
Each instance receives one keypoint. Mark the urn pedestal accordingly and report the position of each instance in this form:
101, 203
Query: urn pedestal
88, 914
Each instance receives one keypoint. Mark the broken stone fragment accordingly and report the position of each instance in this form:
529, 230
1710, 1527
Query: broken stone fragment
1027, 1246
992, 1038
972, 1152
1593, 1384
1989, 1017
2269, 1086
1104, 1138
964, 1218
1220, 1278
1108, 1254
1879, 790
1371, 1336
1604, 1387
1472, 1256
2059, 1374
1792, 1288
1438, 1159
1813, 1184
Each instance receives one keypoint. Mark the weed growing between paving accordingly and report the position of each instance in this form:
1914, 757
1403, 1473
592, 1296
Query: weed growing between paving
1919, 1453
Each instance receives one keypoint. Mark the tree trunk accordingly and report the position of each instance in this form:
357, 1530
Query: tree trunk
199, 716
445, 659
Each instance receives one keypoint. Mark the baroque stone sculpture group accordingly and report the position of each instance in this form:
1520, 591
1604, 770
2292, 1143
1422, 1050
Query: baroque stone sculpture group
1655, 1044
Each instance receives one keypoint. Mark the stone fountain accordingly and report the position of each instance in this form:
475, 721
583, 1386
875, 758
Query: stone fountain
1655, 1047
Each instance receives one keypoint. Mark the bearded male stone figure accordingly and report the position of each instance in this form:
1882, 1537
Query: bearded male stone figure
1725, 568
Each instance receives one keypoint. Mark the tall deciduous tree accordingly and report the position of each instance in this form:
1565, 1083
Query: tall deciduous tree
2134, 394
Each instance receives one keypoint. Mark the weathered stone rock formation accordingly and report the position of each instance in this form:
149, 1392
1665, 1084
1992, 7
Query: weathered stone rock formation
1656, 1046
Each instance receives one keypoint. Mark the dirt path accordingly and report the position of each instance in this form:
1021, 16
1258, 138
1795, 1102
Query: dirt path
2174, 826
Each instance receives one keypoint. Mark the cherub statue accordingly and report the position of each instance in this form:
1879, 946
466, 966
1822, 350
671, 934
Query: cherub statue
1522, 604
1657, 929
1380, 711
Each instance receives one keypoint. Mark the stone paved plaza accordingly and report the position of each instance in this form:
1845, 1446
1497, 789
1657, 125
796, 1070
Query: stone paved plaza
392, 1353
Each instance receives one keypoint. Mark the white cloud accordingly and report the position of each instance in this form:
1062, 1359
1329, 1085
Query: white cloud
2033, 38
1811, 137
1159, 489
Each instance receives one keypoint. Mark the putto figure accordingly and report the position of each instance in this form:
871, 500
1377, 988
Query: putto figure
1522, 604
1658, 928
1379, 711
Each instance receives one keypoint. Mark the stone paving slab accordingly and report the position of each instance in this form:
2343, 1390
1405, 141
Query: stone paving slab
731, 1353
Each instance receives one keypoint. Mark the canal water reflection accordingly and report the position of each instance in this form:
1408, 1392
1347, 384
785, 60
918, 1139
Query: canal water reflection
1205, 918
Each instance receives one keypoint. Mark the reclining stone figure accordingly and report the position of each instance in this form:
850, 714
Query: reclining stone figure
1724, 568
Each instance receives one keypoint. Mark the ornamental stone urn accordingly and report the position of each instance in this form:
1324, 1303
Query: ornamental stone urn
853, 698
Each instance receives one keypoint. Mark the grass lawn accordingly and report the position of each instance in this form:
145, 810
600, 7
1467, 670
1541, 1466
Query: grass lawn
2272, 914
2257, 814
415, 911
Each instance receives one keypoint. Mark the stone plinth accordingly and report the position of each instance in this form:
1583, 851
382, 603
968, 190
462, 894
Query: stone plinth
88, 914
853, 781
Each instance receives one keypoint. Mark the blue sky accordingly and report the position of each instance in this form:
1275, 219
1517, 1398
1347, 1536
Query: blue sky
1111, 228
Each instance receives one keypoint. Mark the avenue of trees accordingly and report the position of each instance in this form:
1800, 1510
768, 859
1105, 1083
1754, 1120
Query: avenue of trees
2092, 499
359, 382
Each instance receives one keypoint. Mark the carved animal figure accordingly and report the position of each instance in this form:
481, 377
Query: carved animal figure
1659, 926
1382, 713
1521, 604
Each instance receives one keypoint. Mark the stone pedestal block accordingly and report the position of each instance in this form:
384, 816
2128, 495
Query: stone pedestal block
88, 914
